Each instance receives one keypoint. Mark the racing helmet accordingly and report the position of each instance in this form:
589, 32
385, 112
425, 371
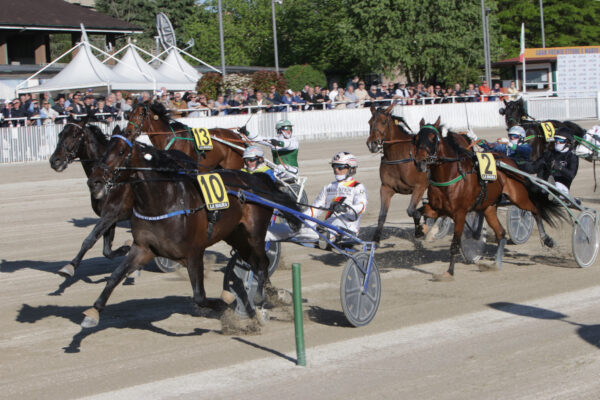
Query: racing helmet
517, 130
345, 158
564, 133
284, 127
253, 153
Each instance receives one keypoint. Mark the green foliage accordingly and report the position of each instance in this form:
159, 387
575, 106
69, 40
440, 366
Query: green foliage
211, 84
299, 75
263, 80
566, 23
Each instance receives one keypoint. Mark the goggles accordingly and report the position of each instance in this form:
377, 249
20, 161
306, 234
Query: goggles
514, 136
559, 139
253, 159
340, 166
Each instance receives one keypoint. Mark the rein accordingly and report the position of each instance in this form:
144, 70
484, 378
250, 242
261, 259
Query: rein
168, 215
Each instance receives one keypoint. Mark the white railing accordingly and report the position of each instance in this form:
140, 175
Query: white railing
36, 143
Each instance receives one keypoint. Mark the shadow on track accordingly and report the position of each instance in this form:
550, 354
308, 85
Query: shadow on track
131, 314
589, 333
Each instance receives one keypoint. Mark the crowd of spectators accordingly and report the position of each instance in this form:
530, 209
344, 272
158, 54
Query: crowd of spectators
27, 109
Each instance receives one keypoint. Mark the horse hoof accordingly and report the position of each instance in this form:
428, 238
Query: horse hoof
430, 237
68, 271
445, 277
549, 242
92, 317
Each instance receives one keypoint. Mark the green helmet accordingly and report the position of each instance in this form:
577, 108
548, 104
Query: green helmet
282, 123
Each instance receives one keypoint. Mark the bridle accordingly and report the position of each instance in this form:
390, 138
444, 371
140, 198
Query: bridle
381, 134
432, 146
71, 154
110, 175
140, 121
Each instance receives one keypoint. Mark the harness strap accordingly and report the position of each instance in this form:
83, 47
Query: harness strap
443, 184
393, 162
165, 216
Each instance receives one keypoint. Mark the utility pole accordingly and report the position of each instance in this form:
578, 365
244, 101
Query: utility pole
221, 39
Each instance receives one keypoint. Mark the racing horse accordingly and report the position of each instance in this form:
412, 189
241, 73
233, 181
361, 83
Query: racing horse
515, 114
80, 140
390, 135
153, 119
457, 188
171, 219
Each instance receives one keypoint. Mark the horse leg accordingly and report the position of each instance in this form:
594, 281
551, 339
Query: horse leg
544, 237
491, 216
69, 270
136, 258
385, 193
415, 212
109, 235
195, 267
459, 225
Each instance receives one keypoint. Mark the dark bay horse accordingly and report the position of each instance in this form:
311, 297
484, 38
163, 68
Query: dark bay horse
167, 134
397, 171
515, 114
86, 142
171, 218
456, 188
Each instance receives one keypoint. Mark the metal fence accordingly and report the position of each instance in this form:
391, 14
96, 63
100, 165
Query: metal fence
36, 143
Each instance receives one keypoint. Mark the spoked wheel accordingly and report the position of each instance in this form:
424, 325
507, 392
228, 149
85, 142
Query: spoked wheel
519, 224
166, 264
585, 239
445, 225
360, 307
303, 198
274, 255
473, 237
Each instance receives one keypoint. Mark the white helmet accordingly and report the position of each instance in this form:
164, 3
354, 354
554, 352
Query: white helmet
253, 152
344, 158
517, 130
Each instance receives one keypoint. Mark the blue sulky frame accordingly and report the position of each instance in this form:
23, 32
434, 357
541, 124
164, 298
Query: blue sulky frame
358, 314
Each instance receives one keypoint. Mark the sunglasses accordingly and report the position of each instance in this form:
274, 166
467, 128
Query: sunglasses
340, 166
513, 136
255, 159
560, 140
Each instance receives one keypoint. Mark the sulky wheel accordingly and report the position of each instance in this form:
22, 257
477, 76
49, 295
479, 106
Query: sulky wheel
274, 255
585, 239
166, 265
473, 237
360, 308
303, 198
445, 225
519, 224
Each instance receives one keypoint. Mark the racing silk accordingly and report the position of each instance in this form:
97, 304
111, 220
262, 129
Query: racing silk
561, 166
286, 151
519, 153
263, 169
349, 192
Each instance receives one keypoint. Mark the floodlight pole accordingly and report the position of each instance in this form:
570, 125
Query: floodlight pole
542, 22
275, 33
221, 39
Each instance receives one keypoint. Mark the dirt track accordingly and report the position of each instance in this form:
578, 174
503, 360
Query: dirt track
531, 330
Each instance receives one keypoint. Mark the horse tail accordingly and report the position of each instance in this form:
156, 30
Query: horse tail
549, 210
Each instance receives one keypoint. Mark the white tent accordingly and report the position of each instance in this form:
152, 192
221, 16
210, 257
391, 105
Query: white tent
142, 76
175, 65
84, 71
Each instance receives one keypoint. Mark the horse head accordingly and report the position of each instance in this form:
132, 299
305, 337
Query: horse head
514, 112
383, 126
142, 118
426, 142
69, 144
115, 160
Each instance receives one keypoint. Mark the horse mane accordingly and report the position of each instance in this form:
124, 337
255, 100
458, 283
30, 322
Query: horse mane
453, 139
167, 160
164, 115
97, 134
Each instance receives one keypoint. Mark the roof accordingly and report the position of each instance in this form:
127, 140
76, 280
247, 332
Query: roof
58, 15
515, 60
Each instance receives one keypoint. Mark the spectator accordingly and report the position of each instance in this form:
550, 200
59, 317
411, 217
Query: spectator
46, 97
471, 93
484, 91
275, 99
401, 94
88, 105
430, 95
496, 92
513, 91
235, 103
322, 100
251, 95
165, 100
61, 108
221, 106
9, 112
340, 100
333, 92
352, 100
120, 101
458, 93
176, 105
48, 113
309, 98
127, 107
102, 112
260, 104
353, 82
110, 104
361, 94
288, 100
439, 93
297, 99
384, 93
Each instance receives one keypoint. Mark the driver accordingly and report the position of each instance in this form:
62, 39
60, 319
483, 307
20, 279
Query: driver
344, 199
560, 164
514, 147
254, 161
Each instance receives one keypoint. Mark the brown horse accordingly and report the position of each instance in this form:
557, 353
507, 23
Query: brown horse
457, 188
167, 134
85, 142
397, 170
515, 114
171, 218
